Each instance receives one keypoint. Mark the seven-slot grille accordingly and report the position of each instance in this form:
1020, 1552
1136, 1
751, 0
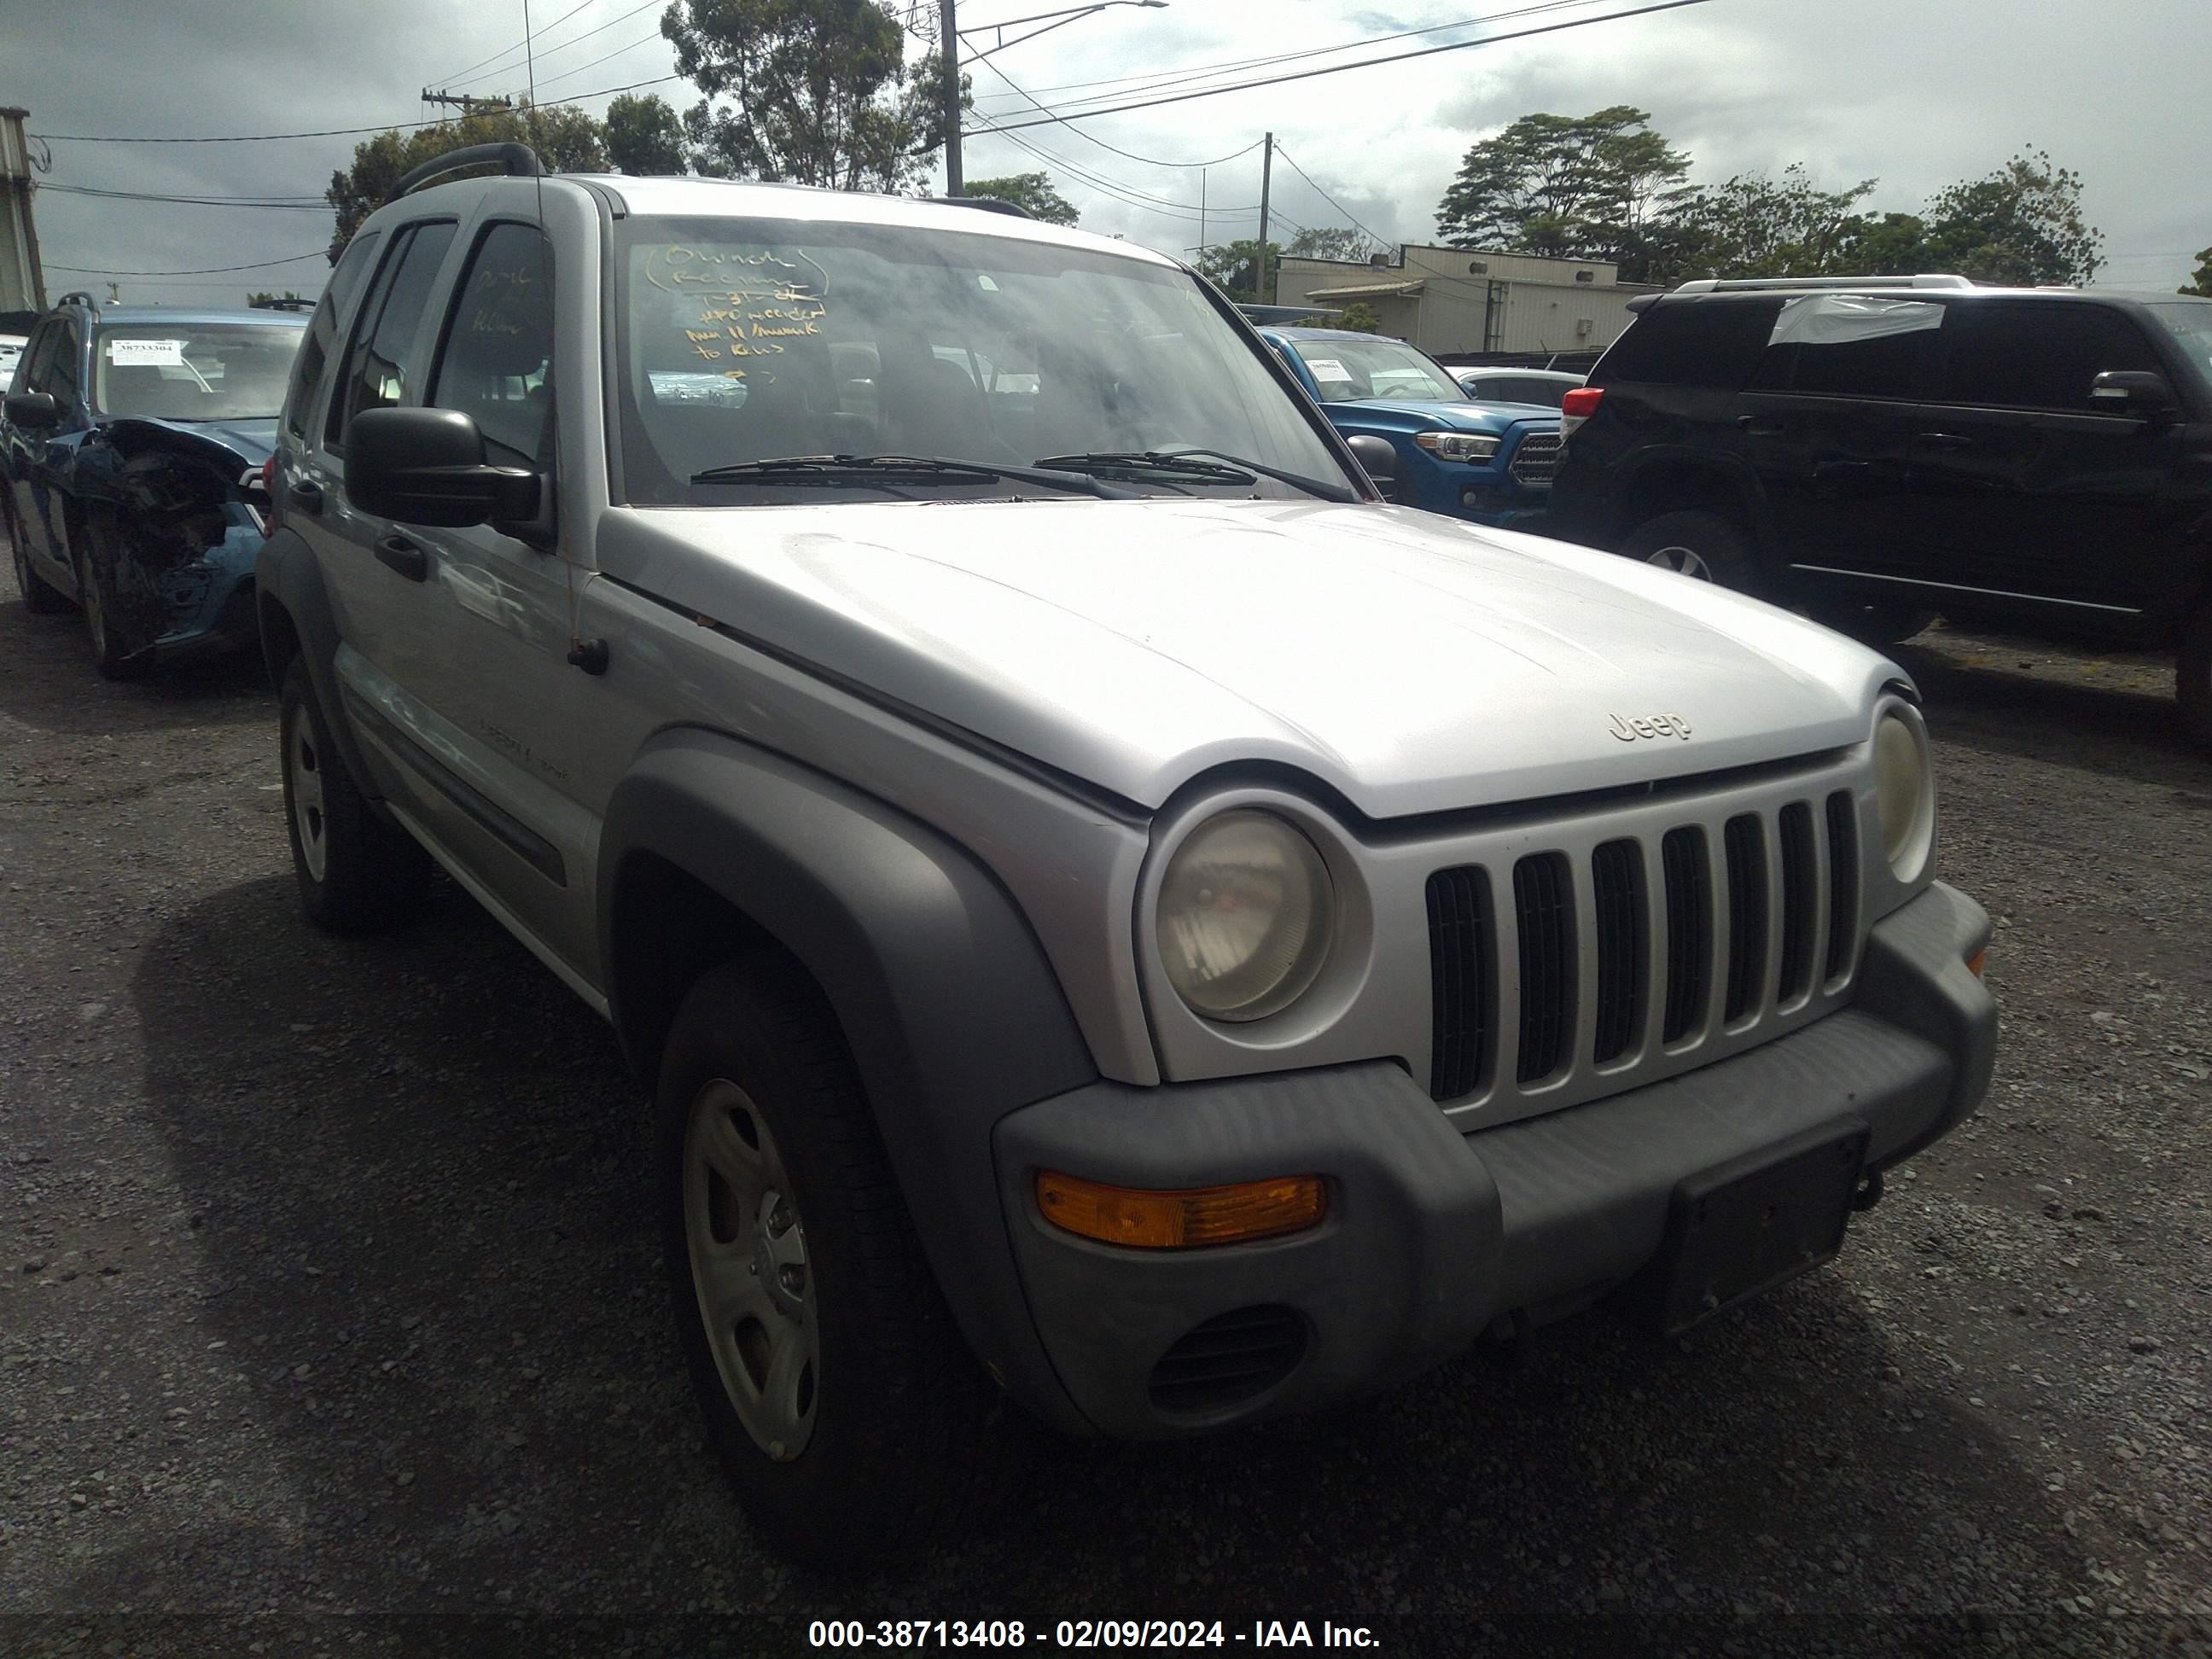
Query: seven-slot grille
1705, 927
1536, 459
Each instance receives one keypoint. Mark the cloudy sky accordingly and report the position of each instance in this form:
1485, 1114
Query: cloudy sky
1915, 93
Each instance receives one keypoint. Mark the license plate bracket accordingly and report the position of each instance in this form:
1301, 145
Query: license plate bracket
1739, 1229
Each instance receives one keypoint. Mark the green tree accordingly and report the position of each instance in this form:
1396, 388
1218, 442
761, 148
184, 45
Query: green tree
1032, 192
1758, 226
643, 135
2022, 224
1571, 187
566, 139
1331, 242
811, 92
2202, 282
1360, 318
268, 301
1229, 266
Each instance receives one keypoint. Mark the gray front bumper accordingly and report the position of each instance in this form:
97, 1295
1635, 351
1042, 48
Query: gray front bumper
1432, 1234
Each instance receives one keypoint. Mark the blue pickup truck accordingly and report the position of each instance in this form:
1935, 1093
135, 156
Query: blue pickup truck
1491, 463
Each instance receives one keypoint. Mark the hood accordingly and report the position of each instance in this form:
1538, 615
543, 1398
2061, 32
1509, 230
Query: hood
253, 441
1411, 662
1455, 417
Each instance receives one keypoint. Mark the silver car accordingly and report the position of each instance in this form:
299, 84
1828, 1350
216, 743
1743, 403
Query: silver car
1109, 912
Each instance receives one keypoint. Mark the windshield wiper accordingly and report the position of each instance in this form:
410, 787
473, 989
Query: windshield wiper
908, 469
1150, 462
1326, 491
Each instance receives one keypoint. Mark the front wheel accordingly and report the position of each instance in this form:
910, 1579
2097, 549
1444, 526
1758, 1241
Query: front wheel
1704, 546
356, 872
2192, 678
110, 656
839, 1399
40, 597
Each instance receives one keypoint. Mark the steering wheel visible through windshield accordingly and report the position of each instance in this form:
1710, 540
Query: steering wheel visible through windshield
1348, 370
744, 340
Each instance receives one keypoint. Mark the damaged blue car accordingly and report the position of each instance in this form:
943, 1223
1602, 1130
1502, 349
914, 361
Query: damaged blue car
132, 451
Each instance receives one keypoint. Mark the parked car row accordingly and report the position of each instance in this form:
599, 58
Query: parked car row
1111, 913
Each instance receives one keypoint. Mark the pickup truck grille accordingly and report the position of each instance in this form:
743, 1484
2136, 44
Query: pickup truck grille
1573, 971
1536, 460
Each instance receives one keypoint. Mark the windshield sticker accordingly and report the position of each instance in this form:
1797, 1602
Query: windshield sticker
129, 354
1328, 368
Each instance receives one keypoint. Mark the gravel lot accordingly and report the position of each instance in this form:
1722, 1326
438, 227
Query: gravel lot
327, 1289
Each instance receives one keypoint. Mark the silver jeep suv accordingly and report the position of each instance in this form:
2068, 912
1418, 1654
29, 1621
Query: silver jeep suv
1111, 913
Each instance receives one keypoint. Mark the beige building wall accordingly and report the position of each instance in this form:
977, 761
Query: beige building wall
1452, 301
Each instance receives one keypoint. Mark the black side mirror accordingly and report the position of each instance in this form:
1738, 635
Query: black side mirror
35, 412
1379, 460
427, 466
2131, 391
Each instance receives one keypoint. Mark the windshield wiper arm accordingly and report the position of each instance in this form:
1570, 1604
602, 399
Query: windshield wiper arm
1151, 461
846, 469
1326, 491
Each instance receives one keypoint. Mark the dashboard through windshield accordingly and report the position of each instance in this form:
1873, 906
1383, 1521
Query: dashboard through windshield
746, 341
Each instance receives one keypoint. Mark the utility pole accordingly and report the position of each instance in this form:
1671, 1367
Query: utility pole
950, 36
1201, 209
1259, 264
467, 103
22, 284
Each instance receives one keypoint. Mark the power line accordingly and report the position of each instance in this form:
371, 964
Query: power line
1366, 62
622, 17
609, 57
1371, 235
519, 45
335, 133
293, 205
206, 270
1103, 144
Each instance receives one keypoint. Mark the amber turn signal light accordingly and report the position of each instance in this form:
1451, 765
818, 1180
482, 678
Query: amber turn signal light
1978, 961
1184, 1219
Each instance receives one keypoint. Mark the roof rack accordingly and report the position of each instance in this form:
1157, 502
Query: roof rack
294, 302
1753, 284
77, 296
988, 203
514, 160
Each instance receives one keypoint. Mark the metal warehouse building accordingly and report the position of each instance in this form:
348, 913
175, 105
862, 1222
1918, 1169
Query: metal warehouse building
1464, 303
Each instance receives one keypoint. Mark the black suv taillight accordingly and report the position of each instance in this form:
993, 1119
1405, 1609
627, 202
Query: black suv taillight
1578, 406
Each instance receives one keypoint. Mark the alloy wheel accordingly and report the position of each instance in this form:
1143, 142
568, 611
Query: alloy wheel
750, 1269
303, 761
1683, 561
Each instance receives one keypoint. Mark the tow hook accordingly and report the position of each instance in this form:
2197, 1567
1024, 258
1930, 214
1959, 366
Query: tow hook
1869, 1193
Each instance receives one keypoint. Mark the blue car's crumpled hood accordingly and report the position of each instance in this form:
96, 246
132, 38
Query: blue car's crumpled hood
253, 441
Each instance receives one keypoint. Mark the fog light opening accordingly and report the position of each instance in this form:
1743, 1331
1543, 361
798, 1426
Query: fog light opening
1184, 1218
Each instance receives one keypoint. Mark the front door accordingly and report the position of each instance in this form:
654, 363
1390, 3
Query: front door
2028, 493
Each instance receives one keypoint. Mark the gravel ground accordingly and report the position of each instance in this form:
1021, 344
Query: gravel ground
328, 1295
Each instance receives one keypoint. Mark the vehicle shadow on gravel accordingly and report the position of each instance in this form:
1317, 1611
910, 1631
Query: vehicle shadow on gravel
48, 681
416, 1166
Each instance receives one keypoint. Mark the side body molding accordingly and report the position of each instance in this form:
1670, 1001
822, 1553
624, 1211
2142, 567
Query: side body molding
947, 1002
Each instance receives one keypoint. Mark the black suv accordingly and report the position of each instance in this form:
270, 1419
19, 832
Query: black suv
1881, 450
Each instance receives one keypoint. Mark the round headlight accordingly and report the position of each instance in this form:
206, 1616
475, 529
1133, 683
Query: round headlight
1245, 914
1905, 793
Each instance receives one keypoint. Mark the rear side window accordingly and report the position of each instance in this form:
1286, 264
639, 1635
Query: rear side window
497, 366
1690, 342
380, 366
1849, 345
62, 370
38, 360
2026, 353
323, 327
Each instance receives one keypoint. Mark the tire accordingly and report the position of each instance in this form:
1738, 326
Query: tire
1704, 546
357, 872
2192, 678
1875, 624
40, 597
780, 1215
108, 656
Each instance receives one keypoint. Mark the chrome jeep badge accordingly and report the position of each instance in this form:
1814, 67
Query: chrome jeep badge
1650, 726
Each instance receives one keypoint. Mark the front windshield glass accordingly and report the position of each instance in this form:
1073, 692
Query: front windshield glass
749, 340
2190, 321
1348, 370
194, 371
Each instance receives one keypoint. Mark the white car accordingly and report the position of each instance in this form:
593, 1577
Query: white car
11, 353
1543, 387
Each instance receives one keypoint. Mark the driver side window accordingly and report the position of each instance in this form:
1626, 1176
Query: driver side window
497, 363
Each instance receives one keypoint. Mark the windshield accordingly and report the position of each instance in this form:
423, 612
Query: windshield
194, 371
2190, 321
748, 340
1348, 370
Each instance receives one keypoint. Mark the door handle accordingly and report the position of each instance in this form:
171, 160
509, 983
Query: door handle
307, 496
403, 556
1756, 426
1945, 441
